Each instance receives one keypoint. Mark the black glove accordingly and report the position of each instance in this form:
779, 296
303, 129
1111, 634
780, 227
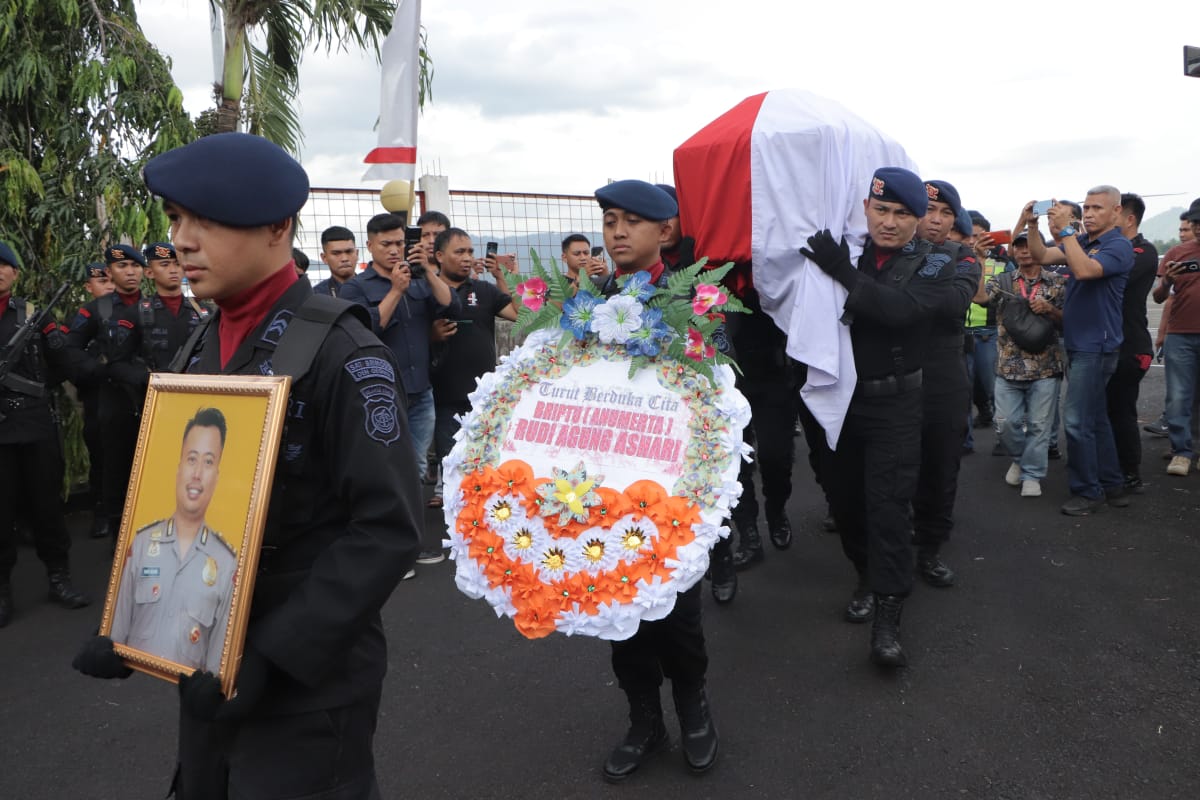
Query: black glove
97, 658
200, 693
831, 256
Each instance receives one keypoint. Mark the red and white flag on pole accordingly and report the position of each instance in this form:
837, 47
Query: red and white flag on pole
396, 155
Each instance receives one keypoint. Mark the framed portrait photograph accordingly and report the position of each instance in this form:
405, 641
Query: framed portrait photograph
183, 574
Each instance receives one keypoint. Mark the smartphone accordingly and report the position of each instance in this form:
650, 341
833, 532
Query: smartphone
1190, 266
491, 249
412, 236
598, 250
463, 321
1041, 207
1001, 237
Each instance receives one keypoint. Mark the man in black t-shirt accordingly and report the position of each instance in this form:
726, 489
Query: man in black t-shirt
463, 347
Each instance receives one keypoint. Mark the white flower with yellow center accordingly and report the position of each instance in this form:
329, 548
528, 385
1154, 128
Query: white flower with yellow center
599, 550
633, 536
526, 541
503, 513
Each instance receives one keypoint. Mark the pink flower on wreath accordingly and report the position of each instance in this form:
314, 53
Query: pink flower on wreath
696, 349
706, 297
533, 293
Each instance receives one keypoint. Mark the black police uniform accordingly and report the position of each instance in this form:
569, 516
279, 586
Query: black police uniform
31, 464
768, 381
946, 396
341, 530
871, 476
1136, 351
164, 332
103, 347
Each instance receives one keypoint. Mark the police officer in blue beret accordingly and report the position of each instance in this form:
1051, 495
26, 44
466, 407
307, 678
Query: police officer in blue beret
31, 459
103, 346
946, 394
894, 292
341, 527
636, 218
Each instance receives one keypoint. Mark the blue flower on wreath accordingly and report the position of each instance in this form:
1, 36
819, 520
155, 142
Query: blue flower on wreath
639, 287
578, 313
648, 340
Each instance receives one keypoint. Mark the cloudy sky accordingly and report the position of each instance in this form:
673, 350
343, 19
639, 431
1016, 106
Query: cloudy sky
1008, 101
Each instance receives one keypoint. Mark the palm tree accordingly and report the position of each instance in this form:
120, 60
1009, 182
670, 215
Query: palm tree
259, 84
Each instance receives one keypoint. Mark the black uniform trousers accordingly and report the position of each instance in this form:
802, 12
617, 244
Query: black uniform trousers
672, 646
31, 476
118, 441
946, 401
326, 754
89, 396
1122, 395
870, 479
771, 432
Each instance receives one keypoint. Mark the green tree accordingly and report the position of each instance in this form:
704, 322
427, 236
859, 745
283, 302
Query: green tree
259, 84
85, 100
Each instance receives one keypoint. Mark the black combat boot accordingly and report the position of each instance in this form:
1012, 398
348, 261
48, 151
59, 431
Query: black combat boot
749, 549
646, 736
885, 633
724, 576
933, 570
63, 592
696, 727
780, 529
6, 603
861, 607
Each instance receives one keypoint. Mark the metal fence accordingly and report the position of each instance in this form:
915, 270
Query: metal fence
517, 222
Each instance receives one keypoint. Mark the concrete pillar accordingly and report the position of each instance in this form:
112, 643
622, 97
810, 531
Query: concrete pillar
437, 193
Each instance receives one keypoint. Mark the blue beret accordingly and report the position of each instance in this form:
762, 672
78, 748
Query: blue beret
236, 179
946, 193
963, 223
159, 250
9, 256
638, 197
96, 269
669, 189
120, 252
898, 185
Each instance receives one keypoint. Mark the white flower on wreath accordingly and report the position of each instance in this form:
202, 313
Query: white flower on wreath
558, 558
633, 535
599, 550
656, 595
527, 541
504, 513
616, 318
574, 621
619, 621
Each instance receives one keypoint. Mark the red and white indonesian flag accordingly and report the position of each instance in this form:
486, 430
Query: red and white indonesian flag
760, 179
396, 155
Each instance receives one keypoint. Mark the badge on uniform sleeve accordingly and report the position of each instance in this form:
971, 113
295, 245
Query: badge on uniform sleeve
152, 550
156, 534
154, 590
379, 409
209, 573
194, 634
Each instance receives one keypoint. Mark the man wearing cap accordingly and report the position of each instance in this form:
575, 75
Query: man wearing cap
980, 326
635, 221
31, 459
340, 527
340, 254
898, 287
1180, 281
103, 349
1027, 383
946, 394
167, 318
1098, 260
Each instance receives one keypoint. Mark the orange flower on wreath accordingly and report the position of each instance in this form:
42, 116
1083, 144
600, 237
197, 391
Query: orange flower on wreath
613, 506
535, 622
643, 494
516, 476
674, 517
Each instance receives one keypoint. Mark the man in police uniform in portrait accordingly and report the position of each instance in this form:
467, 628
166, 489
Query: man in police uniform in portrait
341, 526
872, 475
177, 583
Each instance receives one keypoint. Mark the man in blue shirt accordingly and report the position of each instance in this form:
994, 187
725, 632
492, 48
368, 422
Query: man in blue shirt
1098, 260
403, 299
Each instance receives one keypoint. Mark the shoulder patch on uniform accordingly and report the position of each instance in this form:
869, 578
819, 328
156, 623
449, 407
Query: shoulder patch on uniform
933, 265
217, 535
379, 413
278, 325
362, 369
125, 323
151, 525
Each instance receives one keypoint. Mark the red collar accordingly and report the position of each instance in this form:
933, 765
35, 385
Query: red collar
4, 298
881, 257
129, 299
655, 271
241, 313
173, 302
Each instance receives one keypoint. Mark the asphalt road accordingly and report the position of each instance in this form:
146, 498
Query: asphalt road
1064, 665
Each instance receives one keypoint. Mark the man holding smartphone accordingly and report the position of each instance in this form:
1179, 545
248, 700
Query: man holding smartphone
1180, 281
1098, 260
580, 258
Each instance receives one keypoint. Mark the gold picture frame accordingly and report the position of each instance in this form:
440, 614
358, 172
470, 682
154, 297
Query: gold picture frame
183, 573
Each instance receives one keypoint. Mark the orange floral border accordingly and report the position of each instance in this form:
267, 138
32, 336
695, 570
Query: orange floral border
539, 605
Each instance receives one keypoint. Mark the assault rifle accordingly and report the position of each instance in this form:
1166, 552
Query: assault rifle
12, 350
